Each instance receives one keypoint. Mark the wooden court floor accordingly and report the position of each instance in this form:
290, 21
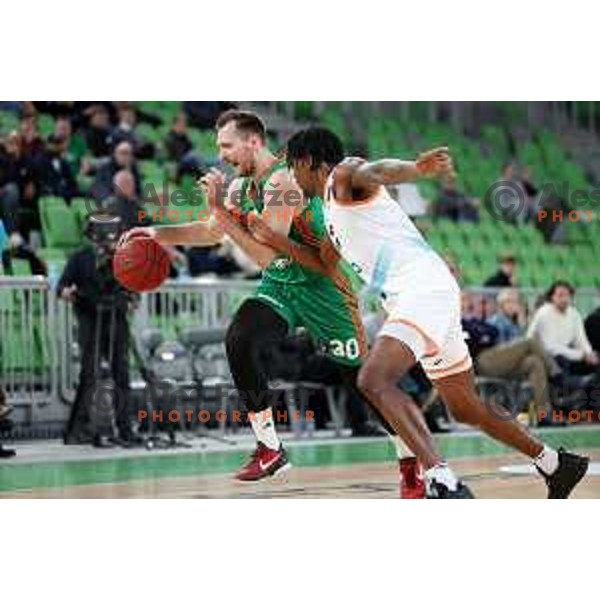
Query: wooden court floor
322, 469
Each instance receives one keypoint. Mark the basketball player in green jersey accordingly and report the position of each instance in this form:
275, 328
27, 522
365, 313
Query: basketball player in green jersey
298, 291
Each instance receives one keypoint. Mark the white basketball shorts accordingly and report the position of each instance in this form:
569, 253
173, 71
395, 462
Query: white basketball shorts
428, 321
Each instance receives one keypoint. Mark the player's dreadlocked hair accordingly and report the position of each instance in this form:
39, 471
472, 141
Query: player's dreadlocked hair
318, 144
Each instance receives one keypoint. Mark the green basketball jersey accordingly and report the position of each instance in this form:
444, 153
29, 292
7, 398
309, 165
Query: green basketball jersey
308, 228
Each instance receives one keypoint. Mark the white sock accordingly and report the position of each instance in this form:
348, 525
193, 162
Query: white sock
442, 473
547, 460
264, 429
402, 450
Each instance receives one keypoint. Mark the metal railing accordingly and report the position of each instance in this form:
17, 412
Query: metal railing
39, 358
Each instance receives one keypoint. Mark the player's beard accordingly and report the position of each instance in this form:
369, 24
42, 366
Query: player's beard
246, 169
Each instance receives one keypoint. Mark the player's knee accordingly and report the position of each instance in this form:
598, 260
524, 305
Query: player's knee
371, 383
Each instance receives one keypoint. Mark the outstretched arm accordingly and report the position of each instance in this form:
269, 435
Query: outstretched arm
387, 171
359, 179
200, 233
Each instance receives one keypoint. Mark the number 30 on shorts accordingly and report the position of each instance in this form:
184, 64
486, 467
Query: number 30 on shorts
348, 349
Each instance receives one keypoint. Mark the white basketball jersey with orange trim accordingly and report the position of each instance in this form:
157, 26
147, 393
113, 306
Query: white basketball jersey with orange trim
383, 245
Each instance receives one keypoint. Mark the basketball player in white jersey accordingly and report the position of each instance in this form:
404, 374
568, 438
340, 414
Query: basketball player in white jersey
421, 298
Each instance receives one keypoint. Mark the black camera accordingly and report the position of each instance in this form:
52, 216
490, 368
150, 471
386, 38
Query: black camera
104, 229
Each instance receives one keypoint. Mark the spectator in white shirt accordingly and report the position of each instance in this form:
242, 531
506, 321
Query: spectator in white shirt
559, 328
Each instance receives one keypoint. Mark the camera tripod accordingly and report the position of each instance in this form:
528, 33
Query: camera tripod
101, 400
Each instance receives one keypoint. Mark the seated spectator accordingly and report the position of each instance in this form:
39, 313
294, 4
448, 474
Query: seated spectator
520, 357
122, 158
52, 172
76, 148
177, 143
12, 242
125, 132
32, 145
10, 182
124, 201
553, 230
530, 211
509, 187
506, 274
97, 133
18, 205
510, 316
592, 329
558, 326
455, 205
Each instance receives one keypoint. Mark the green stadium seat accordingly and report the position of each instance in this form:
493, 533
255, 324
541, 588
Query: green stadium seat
149, 133
55, 258
81, 209
60, 227
20, 267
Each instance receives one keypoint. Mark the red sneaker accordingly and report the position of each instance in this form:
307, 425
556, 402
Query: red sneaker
412, 482
264, 462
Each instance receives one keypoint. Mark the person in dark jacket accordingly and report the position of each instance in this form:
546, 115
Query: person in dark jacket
178, 143
52, 171
125, 131
506, 275
97, 133
592, 329
101, 306
122, 158
124, 201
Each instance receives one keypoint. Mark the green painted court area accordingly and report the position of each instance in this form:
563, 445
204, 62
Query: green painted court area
70, 471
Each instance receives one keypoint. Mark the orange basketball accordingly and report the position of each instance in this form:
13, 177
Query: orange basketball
141, 264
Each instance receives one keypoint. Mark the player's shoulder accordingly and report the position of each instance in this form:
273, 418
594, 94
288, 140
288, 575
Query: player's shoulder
341, 185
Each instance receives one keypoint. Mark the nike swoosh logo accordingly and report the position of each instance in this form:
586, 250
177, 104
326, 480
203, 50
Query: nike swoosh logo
265, 466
